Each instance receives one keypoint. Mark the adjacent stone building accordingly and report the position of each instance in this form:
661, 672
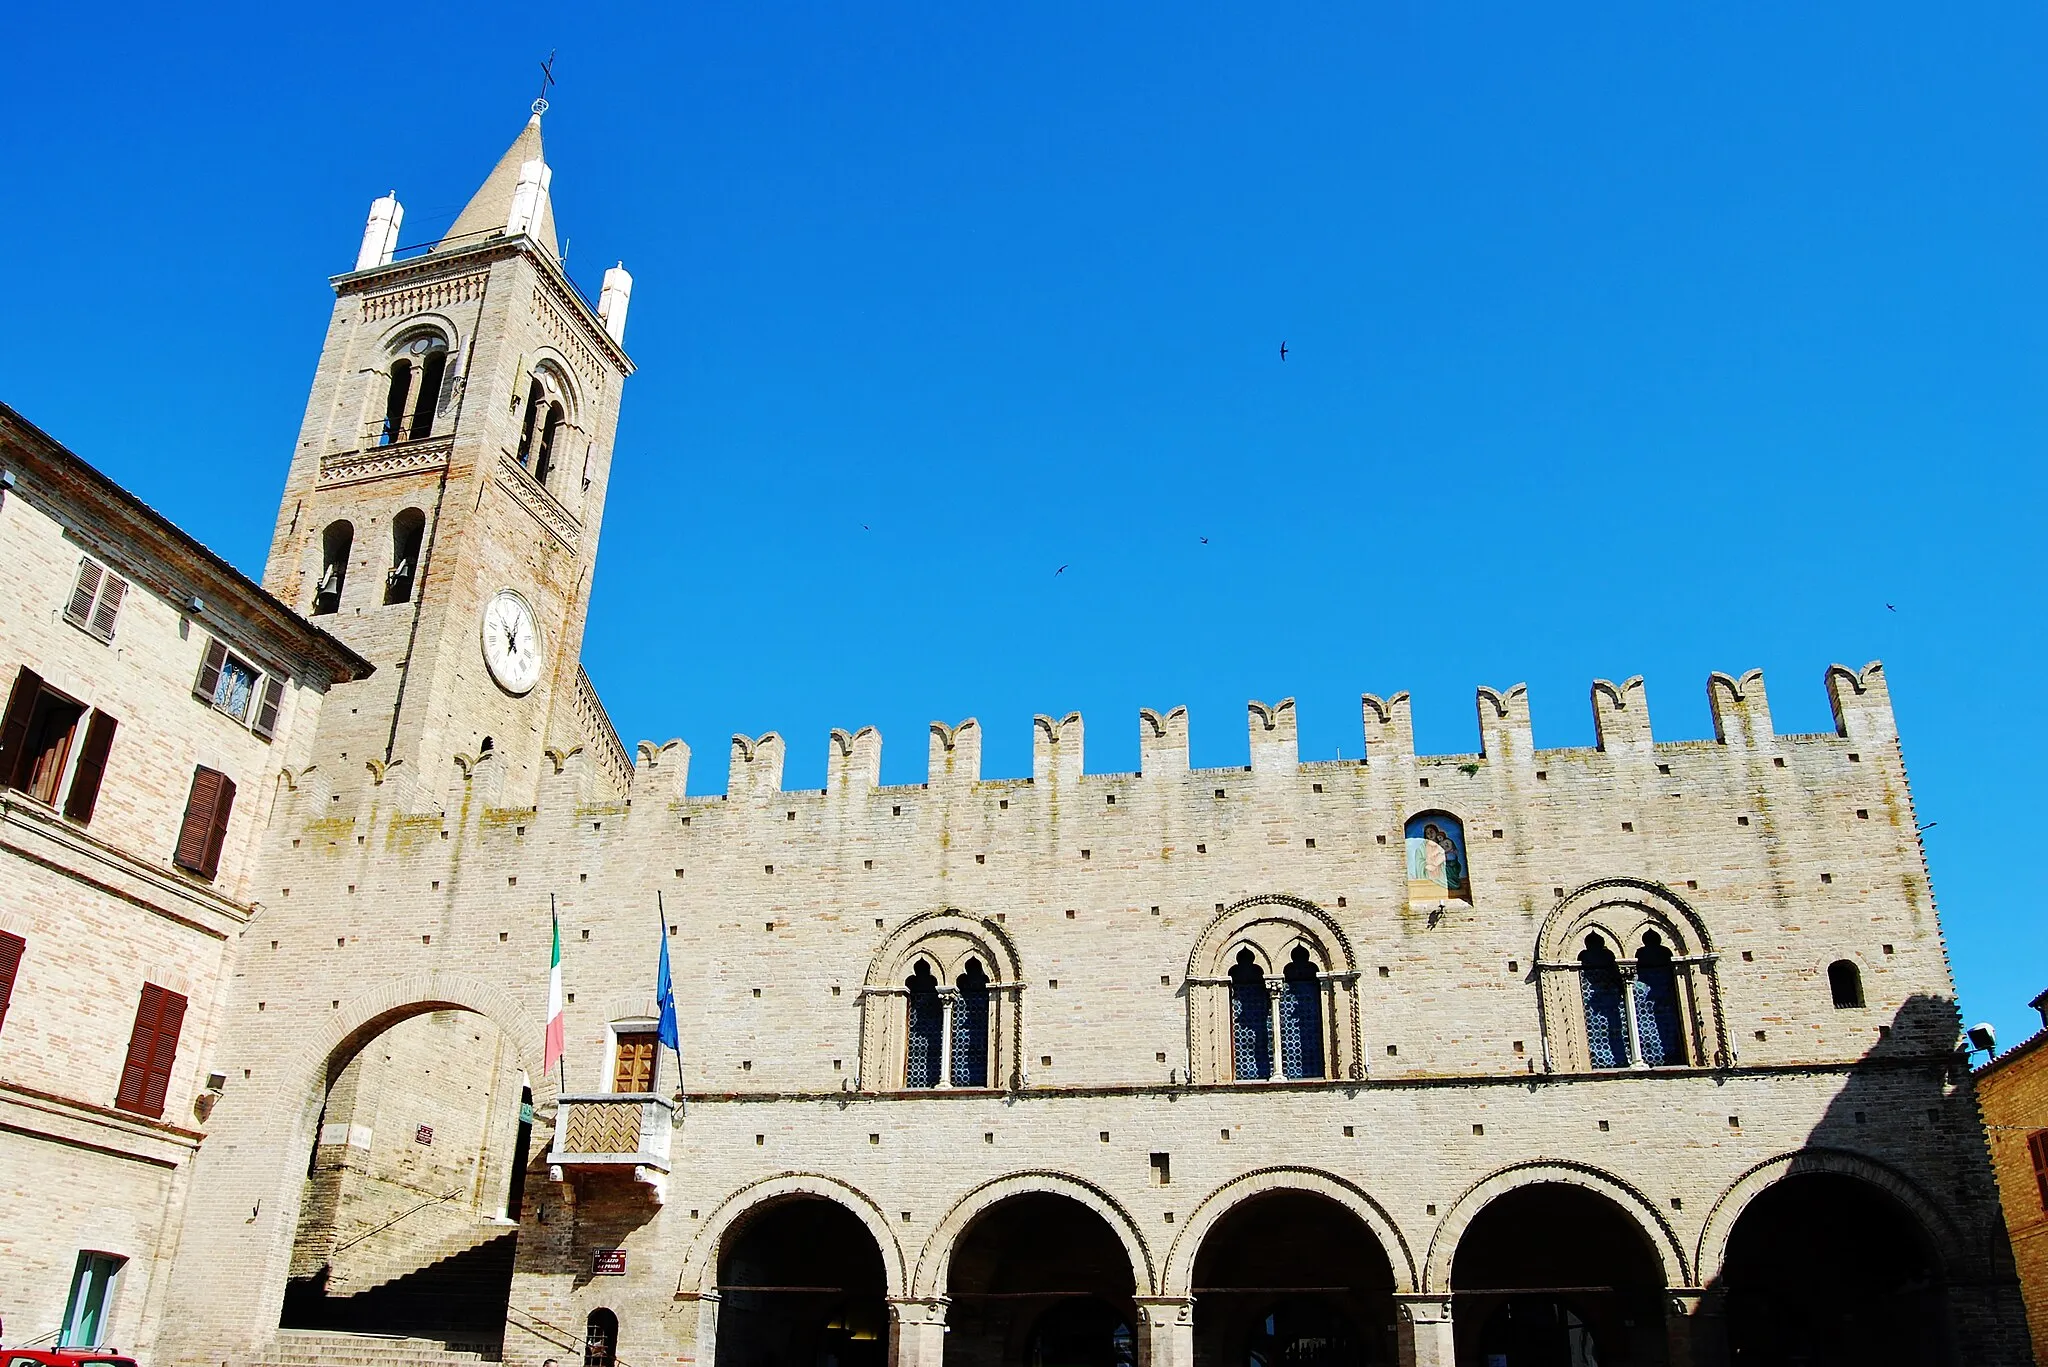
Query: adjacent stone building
152, 696
2012, 1089
1638, 1053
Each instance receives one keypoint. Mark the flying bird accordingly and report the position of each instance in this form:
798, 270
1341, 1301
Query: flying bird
1205, 541
1060, 571
1283, 351
863, 526
1889, 608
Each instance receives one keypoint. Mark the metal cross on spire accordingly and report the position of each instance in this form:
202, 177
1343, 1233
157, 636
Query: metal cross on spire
547, 78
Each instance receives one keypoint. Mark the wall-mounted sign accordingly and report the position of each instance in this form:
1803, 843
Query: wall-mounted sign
423, 1135
608, 1262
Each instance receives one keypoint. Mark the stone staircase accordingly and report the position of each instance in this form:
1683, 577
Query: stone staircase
334, 1348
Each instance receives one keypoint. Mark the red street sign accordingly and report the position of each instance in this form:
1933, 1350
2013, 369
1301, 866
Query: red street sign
608, 1262
423, 1135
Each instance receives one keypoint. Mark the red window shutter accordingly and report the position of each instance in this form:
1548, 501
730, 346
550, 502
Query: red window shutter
2037, 1148
102, 624
217, 835
196, 830
152, 1049
11, 948
92, 767
79, 609
21, 706
209, 672
265, 724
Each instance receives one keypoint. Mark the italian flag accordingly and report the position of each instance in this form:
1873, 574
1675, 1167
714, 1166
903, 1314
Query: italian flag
552, 1049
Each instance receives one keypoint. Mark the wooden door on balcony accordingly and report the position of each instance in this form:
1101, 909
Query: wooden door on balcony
633, 1067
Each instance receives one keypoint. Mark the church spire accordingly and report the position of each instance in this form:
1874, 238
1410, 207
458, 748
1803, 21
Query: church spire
513, 199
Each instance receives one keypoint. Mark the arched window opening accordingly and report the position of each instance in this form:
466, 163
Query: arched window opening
1438, 870
432, 368
600, 1338
544, 457
536, 395
1845, 981
1301, 1017
485, 748
970, 1027
1660, 1029
335, 544
1251, 1020
1606, 1011
927, 1028
407, 529
395, 402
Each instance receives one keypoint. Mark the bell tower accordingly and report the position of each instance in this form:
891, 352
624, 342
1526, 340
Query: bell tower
443, 506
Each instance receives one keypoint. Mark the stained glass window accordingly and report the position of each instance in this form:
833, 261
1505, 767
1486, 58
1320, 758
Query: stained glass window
970, 1028
1660, 1031
927, 1023
1301, 1018
1251, 1020
1606, 1013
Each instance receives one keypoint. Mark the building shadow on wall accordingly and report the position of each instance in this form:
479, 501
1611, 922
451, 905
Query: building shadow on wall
1879, 1243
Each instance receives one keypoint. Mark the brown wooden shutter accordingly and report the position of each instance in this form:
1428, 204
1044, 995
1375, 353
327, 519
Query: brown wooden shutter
217, 836
2037, 1148
92, 767
209, 672
79, 609
21, 707
265, 724
152, 1049
102, 624
196, 830
11, 948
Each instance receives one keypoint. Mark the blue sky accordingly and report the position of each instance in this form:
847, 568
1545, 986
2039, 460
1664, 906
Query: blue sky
1622, 340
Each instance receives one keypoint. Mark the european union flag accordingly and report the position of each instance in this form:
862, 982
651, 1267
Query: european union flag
665, 997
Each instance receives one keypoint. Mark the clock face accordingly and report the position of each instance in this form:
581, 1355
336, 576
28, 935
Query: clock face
511, 642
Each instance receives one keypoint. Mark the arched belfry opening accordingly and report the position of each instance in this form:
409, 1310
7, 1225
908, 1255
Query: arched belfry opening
1040, 1280
1556, 1275
1292, 1277
418, 1156
1826, 1267
800, 1280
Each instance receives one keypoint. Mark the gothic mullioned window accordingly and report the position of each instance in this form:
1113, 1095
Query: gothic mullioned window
1251, 1020
1628, 980
540, 434
970, 1027
1438, 870
414, 395
939, 1006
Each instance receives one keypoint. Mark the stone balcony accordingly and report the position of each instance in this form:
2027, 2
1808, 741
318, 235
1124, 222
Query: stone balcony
617, 1132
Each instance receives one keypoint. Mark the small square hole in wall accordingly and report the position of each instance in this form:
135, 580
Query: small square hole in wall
352, 886
1734, 1122
1429, 1210
1514, 965
1386, 972
981, 859
896, 811
757, 991
792, 816
1678, 1203
1761, 1036
988, 1137
1002, 918
1053, 983
1225, 1136
1519, 1049
693, 1213
1070, 913
341, 942
1004, 804
1109, 800
767, 868
1425, 783
759, 1140
517, 830
1542, 775
746, 1065
1827, 878
1628, 825
1663, 768
359, 839
1201, 849
671, 930
1219, 792
679, 873
1341, 902
1311, 842
867, 863
437, 886
1863, 814
1349, 1133
1045, 1060
686, 821
1159, 1057
503, 936
1557, 892
261, 1005
1155, 911
1479, 1129
1499, 834
586, 934
1103, 1136
597, 825
1162, 1169
1087, 854
878, 921
835, 989
426, 939
1742, 821
1165, 980
1604, 1127
1383, 840
1884, 1032
874, 1139
245, 1073
768, 926
838, 1065
1749, 956
273, 943
511, 881
1855, 758
1393, 1051
1315, 787
1692, 884
1219, 906
1887, 949
334, 1006
583, 878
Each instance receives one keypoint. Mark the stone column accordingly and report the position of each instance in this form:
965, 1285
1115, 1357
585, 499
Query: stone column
1695, 1332
1425, 1322
949, 997
707, 1329
1167, 1336
917, 1332
1274, 987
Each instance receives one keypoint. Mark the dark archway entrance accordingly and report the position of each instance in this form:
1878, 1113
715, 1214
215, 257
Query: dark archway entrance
1552, 1275
1292, 1278
1826, 1270
801, 1284
1040, 1280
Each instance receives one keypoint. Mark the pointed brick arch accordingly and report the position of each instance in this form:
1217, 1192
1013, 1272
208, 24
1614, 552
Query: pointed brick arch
1443, 1245
1177, 1278
934, 1262
700, 1261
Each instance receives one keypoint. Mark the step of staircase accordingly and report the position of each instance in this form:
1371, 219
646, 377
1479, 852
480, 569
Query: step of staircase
332, 1348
